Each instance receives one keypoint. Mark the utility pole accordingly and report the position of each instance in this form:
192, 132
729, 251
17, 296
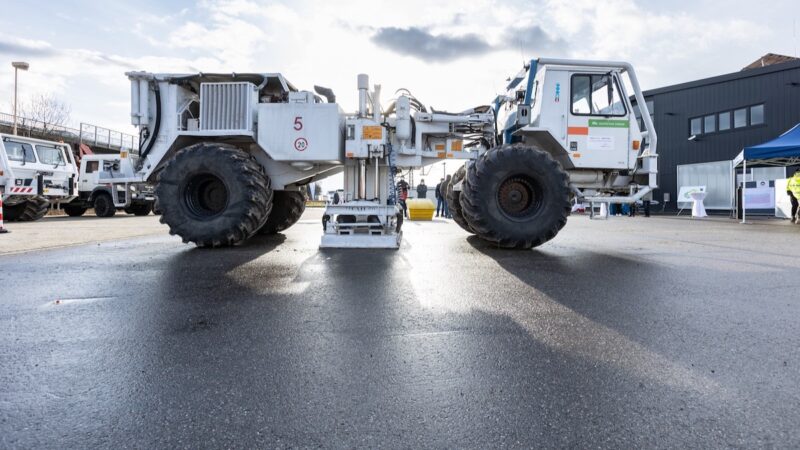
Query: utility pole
17, 65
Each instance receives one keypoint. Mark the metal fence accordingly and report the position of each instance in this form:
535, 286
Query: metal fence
95, 136
91, 135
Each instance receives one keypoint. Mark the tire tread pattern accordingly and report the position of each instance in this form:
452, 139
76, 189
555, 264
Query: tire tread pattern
29, 211
453, 199
287, 207
249, 212
476, 188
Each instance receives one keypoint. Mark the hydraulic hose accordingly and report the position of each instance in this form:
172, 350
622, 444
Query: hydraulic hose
152, 140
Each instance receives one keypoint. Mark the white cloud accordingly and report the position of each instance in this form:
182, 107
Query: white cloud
328, 43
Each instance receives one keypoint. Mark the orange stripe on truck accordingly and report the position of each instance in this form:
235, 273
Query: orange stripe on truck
580, 131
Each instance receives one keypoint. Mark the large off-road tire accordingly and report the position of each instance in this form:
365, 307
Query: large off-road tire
74, 210
26, 211
287, 207
213, 195
516, 196
139, 209
104, 205
453, 199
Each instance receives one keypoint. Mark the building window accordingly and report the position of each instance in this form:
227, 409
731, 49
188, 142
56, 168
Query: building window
696, 126
740, 118
709, 124
757, 115
725, 121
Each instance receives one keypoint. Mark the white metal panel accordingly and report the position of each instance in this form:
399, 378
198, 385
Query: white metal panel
783, 204
301, 131
717, 177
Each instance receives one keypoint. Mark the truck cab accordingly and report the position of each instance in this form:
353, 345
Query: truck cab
581, 112
35, 173
97, 188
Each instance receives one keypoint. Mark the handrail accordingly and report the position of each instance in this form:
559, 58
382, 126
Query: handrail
88, 134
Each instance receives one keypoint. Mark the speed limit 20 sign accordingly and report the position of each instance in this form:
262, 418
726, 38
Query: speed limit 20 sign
300, 144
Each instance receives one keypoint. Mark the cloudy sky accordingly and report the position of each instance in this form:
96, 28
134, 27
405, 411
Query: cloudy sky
450, 54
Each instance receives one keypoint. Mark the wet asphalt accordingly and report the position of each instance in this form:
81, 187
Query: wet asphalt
618, 334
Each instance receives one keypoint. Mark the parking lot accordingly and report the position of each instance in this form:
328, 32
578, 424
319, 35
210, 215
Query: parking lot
659, 332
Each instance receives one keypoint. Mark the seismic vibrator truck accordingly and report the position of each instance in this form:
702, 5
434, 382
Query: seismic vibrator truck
229, 152
34, 174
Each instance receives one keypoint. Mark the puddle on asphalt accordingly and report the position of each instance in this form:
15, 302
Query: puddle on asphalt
74, 301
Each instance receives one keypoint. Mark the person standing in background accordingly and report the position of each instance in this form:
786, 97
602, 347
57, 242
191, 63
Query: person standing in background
439, 199
402, 184
793, 190
403, 196
443, 194
422, 189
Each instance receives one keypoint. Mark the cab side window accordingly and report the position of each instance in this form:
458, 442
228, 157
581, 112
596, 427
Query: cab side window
17, 151
91, 166
596, 95
581, 94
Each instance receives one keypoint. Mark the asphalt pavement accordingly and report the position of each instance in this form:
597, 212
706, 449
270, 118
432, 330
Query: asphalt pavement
624, 333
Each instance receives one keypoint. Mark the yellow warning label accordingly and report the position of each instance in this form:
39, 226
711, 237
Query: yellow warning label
456, 146
372, 132
439, 147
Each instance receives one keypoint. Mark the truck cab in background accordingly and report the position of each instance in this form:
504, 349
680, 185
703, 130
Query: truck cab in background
97, 190
34, 174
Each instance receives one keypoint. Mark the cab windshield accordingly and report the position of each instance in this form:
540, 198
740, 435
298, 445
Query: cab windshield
50, 155
17, 151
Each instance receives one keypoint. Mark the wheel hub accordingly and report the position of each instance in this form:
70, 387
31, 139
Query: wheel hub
518, 196
206, 195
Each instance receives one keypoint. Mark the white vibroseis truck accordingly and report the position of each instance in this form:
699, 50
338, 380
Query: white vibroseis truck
228, 153
34, 174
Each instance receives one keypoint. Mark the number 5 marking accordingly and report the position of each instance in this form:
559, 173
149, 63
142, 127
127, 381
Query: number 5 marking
298, 123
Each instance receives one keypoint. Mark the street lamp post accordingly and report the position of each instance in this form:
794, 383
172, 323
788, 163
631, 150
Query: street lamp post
17, 65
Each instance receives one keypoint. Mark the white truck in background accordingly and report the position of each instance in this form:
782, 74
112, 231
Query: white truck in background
34, 174
98, 189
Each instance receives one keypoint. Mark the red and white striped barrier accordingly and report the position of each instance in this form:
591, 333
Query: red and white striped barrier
2, 230
21, 190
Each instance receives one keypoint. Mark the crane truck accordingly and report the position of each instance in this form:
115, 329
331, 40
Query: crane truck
228, 152
99, 189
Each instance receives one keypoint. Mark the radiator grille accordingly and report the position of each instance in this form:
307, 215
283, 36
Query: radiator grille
227, 106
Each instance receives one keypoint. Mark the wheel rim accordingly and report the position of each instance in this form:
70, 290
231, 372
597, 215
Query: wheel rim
519, 196
205, 195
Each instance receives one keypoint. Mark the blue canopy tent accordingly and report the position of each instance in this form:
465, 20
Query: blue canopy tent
782, 151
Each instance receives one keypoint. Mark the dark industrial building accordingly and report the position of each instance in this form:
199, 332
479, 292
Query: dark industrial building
715, 118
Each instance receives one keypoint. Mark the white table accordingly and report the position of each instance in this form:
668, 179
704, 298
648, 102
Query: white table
698, 208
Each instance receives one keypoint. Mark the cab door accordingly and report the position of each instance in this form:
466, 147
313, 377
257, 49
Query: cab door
55, 167
598, 131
